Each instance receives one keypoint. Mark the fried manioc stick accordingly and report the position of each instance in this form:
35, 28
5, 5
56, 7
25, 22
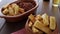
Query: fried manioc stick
38, 17
16, 8
21, 10
52, 23
5, 11
36, 30
30, 23
45, 19
42, 27
32, 18
11, 11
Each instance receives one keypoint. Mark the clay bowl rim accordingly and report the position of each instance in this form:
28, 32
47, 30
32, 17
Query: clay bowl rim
29, 30
25, 12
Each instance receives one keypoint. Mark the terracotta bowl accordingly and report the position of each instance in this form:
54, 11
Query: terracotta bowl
28, 29
21, 16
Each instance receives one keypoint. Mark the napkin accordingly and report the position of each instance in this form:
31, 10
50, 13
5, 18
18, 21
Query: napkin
2, 22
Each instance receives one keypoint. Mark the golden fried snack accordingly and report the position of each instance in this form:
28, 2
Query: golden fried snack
11, 11
45, 19
32, 18
30, 23
36, 30
16, 8
52, 23
5, 11
21, 10
42, 27
38, 17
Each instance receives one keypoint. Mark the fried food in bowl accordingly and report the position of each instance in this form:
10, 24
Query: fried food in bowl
41, 24
12, 10
18, 10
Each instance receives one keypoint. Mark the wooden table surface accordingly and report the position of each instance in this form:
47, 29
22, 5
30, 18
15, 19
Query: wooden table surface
44, 7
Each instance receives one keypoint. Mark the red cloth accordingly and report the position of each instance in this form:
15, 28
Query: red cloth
23, 31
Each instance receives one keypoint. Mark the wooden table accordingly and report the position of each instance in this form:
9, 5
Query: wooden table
44, 7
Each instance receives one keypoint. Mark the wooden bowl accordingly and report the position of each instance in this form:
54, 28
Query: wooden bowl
20, 16
29, 30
